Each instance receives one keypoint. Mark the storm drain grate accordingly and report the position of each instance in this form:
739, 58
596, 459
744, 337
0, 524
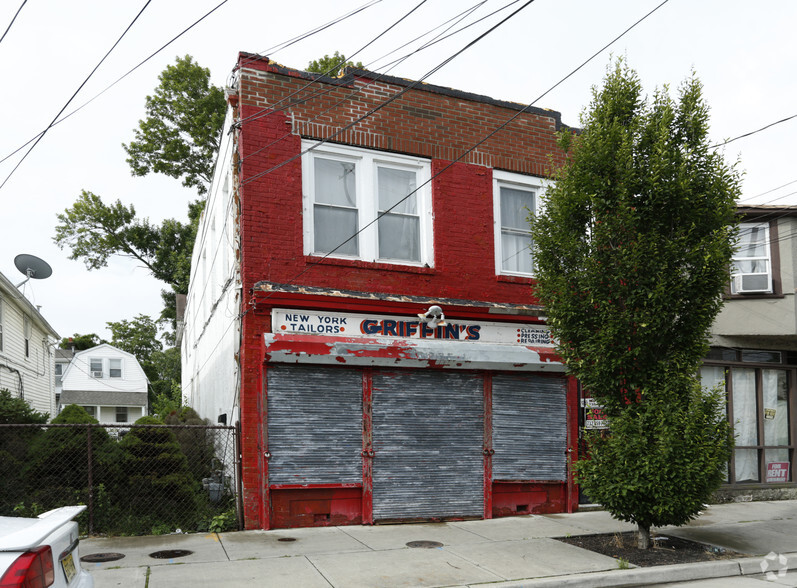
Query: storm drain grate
170, 553
101, 557
424, 544
287, 539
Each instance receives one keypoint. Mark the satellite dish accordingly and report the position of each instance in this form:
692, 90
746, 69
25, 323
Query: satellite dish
32, 267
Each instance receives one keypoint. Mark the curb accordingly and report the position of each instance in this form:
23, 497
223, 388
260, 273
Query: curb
654, 575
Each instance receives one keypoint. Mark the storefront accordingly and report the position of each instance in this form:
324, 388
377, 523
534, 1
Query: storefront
381, 418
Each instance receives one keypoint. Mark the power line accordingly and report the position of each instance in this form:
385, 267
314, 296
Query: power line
59, 121
8, 28
777, 122
52, 123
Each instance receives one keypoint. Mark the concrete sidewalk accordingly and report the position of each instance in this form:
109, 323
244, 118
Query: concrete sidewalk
516, 551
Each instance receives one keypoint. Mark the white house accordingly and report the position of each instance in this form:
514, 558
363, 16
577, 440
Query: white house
26, 350
108, 382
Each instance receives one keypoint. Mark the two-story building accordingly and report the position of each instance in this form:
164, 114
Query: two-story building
754, 354
361, 301
26, 350
108, 382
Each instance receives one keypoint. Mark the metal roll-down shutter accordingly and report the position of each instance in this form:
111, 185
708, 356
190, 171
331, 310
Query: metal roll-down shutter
529, 428
314, 425
428, 439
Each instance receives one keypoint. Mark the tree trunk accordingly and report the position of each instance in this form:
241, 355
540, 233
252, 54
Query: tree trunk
643, 536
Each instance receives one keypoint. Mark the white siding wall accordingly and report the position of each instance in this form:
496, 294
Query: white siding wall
36, 370
78, 375
210, 377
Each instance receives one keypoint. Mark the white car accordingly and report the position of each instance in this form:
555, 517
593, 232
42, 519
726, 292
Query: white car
43, 551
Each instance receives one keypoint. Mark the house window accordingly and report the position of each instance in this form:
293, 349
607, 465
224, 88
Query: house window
26, 334
1, 323
59, 373
92, 410
95, 367
366, 205
515, 199
760, 403
115, 368
752, 267
121, 414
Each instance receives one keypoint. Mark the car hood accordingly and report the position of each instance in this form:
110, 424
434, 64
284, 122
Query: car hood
21, 534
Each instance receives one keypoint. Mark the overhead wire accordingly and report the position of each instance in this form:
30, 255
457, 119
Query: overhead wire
16, 14
60, 120
68, 102
777, 122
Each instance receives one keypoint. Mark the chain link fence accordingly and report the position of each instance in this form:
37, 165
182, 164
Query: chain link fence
134, 479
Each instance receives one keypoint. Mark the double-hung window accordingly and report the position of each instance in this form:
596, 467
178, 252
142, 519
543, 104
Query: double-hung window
115, 368
367, 205
515, 198
95, 367
752, 265
26, 333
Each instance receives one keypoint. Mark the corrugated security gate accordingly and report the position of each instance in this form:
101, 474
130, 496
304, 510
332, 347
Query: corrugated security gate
529, 436
314, 425
428, 434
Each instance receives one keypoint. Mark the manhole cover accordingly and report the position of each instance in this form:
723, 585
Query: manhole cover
287, 539
170, 553
101, 557
424, 544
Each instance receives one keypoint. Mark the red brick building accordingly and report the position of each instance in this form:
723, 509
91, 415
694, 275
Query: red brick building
361, 300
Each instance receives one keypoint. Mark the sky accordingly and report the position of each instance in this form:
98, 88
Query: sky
745, 54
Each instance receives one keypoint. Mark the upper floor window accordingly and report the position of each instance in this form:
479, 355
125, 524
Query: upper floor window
752, 264
367, 205
1, 323
115, 368
95, 367
59, 374
515, 199
26, 332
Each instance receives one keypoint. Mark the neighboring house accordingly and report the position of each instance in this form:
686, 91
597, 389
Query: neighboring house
363, 305
754, 353
108, 382
26, 350
63, 357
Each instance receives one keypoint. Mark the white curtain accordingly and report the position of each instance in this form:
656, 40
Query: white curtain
776, 424
335, 211
745, 424
516, 207
399, 229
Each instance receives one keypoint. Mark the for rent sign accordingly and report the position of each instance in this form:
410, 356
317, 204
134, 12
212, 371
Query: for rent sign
778, 471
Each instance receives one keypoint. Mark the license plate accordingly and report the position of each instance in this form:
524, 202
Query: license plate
68, 565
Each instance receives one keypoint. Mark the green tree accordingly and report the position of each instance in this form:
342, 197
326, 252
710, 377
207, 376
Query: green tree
14, 446
81, 342
332, 65
631, 254
180, 135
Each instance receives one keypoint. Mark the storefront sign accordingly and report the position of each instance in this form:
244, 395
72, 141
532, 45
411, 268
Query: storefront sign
778, 471
407, 327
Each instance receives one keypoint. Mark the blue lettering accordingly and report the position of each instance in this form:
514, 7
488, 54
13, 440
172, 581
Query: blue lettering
473, 332
426, 331
389, 328
369, 327
451, 332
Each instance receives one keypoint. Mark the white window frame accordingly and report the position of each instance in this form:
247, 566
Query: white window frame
1, 323
91, 410
111, 368
124, 413
92, 371
736, 276
366, 163
502, 179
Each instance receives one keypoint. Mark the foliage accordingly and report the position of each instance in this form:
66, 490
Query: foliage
15, 410
226, 521
196, 442
632, 252
159, 479
81, 342
180, 135
14, 444
332, 66
56, 485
